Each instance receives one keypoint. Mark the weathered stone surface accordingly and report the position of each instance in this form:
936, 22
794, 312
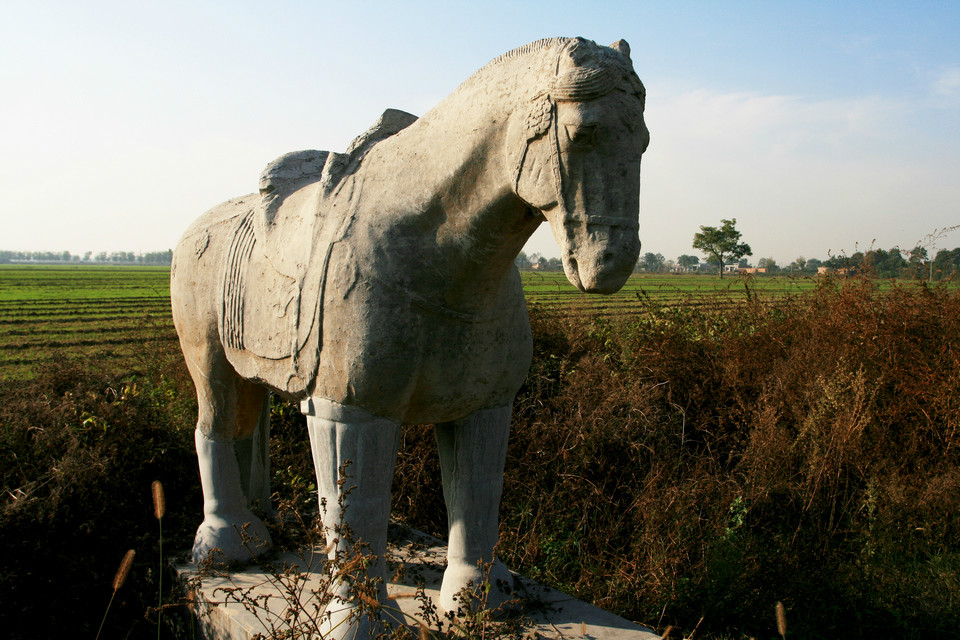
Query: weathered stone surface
378, 287
541, 612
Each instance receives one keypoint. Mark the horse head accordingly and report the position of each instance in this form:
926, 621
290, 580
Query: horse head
579, 165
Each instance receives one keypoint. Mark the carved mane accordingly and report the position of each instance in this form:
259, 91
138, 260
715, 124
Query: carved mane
595, 74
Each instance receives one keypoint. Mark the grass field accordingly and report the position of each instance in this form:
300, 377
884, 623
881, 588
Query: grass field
75, 311
552, 293
109, 311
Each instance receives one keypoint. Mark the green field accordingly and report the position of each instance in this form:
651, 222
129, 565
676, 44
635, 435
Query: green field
109, 312
551, 292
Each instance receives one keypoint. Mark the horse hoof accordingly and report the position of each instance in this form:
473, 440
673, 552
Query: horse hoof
343, 620
227, 542
464, 587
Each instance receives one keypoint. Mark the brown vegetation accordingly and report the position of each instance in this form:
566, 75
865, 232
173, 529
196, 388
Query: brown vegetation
679, 464
672, 465
79, 449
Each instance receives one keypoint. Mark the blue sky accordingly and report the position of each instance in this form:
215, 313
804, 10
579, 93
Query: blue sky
821, 126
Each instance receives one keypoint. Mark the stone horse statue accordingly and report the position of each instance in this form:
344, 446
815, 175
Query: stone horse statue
378, 287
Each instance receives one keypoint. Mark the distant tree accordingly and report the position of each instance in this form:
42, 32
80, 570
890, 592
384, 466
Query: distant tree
522, 261
688, 262
929, 243
769, 264
157, 257
537, 261
812, 265
834, 262
884, 264
844, 261
918, 261
722, 244
652, 261
947, 263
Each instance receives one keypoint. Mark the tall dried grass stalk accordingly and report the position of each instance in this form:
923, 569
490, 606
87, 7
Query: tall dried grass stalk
124, 570
781, 620
118, 580
369, 600
159, 501
159, 510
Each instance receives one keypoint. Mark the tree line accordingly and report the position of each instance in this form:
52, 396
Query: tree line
65, 257
723, 250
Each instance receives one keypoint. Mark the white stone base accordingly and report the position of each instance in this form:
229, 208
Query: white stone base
547, 613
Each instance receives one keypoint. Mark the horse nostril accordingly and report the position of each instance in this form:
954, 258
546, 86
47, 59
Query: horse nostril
608, 256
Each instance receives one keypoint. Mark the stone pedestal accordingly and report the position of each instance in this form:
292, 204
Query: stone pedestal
542, 612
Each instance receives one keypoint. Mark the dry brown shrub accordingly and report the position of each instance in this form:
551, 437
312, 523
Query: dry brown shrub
679, 464
79, 449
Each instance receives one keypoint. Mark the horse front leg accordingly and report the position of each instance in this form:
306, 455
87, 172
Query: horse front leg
472, 456
354, 454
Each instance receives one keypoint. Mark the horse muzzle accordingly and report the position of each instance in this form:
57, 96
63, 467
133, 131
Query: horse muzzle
600, 258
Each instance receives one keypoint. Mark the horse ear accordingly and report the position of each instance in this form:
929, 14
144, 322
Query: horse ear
622, 47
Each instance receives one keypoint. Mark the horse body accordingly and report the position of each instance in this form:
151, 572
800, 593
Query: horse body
419, 315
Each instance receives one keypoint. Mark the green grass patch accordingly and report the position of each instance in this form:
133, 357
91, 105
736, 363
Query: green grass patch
78, 312
55, 282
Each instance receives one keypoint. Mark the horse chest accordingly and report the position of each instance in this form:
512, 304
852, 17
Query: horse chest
470, 368
393, 355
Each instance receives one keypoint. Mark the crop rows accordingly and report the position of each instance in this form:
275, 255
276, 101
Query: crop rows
552, 294
110, 313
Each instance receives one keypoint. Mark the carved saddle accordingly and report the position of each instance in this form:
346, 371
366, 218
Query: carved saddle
275, 272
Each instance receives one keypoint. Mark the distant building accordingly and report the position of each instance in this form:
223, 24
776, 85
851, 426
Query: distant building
822, 271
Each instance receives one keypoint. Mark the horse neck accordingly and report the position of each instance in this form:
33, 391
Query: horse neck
452, 171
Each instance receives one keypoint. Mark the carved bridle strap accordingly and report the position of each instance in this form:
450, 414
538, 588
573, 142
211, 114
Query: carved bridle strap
608, 221
576, 85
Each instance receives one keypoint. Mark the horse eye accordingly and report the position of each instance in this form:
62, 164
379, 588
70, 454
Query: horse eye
584, 135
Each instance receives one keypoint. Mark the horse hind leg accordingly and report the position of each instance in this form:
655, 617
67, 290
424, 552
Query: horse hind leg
230, 442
